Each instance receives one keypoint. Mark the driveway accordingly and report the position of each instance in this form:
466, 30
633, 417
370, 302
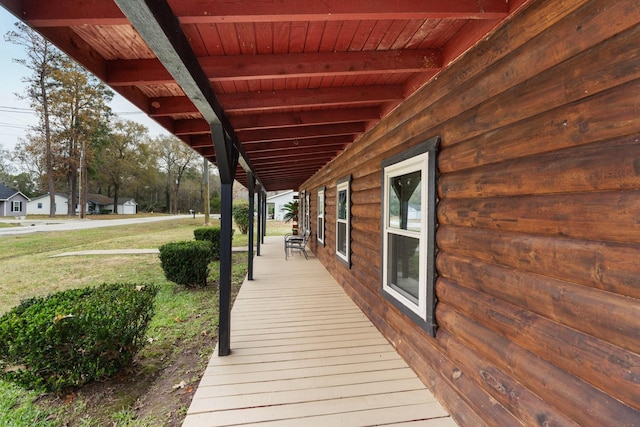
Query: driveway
39, 225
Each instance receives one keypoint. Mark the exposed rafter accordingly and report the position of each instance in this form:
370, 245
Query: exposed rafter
104, 12
261, 67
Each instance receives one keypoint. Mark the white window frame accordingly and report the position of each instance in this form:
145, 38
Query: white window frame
421, 158
321, 226
16, 206
344, 185
414, 164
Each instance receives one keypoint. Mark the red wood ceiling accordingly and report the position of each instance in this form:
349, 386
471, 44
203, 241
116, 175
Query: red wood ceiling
298, 80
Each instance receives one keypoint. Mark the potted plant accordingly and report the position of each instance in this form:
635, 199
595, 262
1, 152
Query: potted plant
291, 214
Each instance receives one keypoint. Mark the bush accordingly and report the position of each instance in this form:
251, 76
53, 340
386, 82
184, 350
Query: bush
187, 263
210, 234
242, 216
75, 336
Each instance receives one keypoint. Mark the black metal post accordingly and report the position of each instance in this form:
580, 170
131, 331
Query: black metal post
260, 218
263, 232
251, 185
226, 225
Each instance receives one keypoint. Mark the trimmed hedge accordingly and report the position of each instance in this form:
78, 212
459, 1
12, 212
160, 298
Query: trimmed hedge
211, 234
187, 262
75, 336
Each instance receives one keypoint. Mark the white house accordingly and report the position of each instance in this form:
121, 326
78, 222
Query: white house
276, 202
40, 205
96, 203
126, 206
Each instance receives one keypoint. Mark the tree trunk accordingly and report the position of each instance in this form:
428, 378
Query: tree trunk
116, 190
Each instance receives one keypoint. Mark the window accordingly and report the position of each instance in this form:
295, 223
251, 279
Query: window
39, 205
320, 231
343, 218
408, 215
16, 206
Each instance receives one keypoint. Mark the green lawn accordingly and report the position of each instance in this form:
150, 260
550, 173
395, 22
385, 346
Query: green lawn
185, 321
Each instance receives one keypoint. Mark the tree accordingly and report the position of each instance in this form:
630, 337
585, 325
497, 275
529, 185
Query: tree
42, 59
124, 156
78, 106
176, 159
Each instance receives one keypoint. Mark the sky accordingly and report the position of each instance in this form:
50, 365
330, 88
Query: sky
16, 115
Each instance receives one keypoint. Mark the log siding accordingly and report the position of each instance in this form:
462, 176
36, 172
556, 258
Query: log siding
538, 235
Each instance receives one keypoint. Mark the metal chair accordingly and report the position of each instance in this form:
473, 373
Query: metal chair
296, 242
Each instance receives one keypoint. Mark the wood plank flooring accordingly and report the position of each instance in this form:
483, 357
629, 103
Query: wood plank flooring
303, 354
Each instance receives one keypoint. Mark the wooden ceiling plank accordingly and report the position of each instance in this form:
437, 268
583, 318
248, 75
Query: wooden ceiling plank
266, 135
70, 13
316, 152
205, 11
304, 118
191, 127
319, 148
292, 145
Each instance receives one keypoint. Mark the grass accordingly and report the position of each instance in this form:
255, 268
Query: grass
181, 336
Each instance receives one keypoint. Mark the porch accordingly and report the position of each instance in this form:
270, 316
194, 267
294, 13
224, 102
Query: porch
303, 354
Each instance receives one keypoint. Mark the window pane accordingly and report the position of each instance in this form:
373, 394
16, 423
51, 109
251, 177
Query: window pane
405, 201
342, 238
321, 229
403, 268
342, 204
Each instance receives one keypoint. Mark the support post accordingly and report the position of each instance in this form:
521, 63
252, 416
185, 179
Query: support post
263, 232
251, 185
260, 219
227, 162
207, 201
226, 225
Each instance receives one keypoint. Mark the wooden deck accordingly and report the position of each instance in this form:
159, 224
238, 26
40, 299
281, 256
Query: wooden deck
303, 354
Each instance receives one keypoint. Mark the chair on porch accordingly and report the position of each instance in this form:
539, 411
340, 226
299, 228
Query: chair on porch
296, 242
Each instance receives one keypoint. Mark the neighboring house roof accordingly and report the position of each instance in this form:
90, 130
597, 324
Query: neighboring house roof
46, 196
98, 199
7, 193
279, 195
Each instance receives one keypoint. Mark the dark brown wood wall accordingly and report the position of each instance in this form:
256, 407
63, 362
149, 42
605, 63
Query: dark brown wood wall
539, 221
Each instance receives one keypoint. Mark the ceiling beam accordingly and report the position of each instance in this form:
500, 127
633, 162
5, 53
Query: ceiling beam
267, 135
290, 161
207, 12
304, 118
104, 12
301, 98
280, 66
282, 120
295, 98
252, 148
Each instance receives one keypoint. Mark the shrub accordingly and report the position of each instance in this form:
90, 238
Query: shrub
187, 262
75, 336
210, 234
242, 216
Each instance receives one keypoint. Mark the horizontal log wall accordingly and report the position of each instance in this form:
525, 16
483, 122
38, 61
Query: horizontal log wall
539, 221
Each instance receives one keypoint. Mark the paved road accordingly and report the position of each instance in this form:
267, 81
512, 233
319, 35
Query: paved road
39, 225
